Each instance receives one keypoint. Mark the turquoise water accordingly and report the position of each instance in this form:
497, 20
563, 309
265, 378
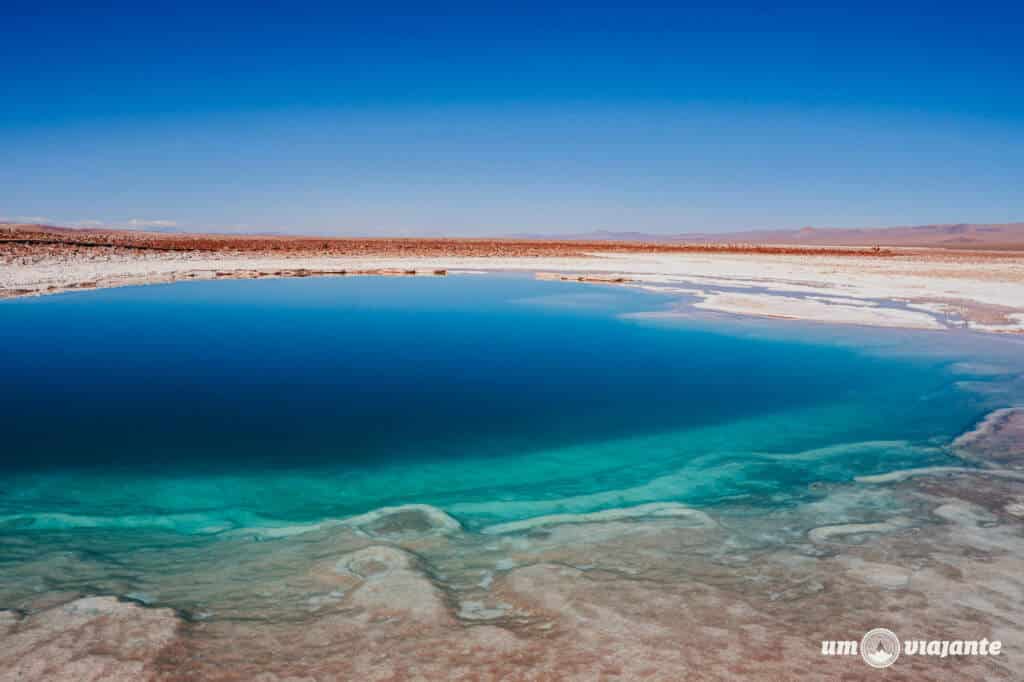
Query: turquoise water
207, 406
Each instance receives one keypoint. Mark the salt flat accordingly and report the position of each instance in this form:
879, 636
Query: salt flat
912, 288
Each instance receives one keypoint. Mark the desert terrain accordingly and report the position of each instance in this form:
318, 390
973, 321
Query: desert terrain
858, 283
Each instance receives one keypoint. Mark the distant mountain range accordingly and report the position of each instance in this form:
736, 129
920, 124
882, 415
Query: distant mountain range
958, 235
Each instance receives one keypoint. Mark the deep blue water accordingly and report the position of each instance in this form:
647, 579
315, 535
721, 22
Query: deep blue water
494, 397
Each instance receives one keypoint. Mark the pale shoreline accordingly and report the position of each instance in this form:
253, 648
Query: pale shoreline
919, 290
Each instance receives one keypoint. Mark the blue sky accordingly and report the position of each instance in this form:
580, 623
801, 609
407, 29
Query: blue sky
473, 119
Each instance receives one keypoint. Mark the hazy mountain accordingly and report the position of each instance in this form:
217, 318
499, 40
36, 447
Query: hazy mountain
959, 235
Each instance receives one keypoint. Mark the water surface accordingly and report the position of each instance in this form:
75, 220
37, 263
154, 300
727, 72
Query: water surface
199, 446
223, 404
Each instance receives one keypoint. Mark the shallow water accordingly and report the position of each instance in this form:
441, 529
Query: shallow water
497, 398
152, 434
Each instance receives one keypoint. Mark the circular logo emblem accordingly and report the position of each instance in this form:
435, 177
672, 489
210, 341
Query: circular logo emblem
880, 647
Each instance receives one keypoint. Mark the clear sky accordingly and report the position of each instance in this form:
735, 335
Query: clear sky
471, 119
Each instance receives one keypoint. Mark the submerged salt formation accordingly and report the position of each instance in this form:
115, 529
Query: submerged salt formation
628, 594
93, 638
652, 510
998, 439
657, 591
